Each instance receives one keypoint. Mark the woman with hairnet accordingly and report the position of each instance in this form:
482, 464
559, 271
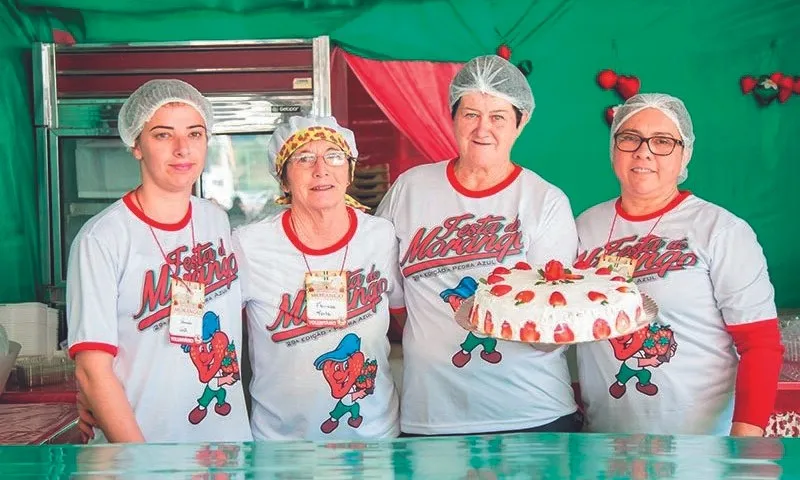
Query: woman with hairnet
153, 298
710, 363
456, 221
319, 279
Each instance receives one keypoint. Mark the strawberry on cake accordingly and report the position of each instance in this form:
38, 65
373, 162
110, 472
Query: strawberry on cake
553, 304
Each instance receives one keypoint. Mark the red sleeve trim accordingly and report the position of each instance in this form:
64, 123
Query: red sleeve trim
761, 358
86, 346
397, 311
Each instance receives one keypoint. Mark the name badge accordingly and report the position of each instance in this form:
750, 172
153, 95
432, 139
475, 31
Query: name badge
623, 265
186, 314
326, 299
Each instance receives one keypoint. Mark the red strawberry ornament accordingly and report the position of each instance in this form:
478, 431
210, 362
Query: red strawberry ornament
500, 290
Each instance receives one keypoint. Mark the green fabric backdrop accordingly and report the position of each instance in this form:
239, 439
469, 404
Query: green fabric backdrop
745, 156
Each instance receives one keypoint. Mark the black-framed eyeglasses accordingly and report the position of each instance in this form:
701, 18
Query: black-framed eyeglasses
659, 145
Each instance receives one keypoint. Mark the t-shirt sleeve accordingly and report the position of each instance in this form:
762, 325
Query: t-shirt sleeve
386, 209
742, 289
396, 299
243, 269
556, 237
92, 292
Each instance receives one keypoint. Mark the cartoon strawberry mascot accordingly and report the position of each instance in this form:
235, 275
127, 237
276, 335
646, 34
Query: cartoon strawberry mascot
350, 377
217, 365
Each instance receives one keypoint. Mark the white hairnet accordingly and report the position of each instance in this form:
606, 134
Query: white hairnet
140, 107
285, 130
495, 76
670, 106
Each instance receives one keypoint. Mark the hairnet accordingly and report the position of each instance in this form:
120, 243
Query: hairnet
670, 106
495, 76
140, 107
290, 136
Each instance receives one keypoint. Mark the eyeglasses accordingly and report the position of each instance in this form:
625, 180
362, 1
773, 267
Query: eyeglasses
658, 145
308, 159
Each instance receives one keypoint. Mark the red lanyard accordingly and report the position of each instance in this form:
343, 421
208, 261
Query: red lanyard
346, 247
613, 222
163, 254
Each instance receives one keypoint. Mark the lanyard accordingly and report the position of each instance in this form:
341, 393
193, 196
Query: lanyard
163, 254
346, 248
614, 222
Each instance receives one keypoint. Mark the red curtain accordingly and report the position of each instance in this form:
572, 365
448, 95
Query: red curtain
413, 95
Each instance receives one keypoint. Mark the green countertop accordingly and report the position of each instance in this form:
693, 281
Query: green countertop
518, 456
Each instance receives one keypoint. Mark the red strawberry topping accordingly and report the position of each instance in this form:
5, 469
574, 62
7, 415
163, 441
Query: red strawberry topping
522, 266
528, 333
494, 279
524, 296
505, 331
597, 297
557, 299
601, 329
623, 322
488, 326
500, 290
563, 334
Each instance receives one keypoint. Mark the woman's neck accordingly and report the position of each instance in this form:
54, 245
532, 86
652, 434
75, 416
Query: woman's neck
163, 207
481, 175
319, 229
638, 206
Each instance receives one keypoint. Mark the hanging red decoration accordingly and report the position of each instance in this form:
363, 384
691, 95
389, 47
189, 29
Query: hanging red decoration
626, 86
504, 51
766, 88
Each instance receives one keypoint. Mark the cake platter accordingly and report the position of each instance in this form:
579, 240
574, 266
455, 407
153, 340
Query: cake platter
649, 310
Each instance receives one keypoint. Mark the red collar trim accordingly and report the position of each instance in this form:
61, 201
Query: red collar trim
451, 177
130, 202
287, 227
682, 195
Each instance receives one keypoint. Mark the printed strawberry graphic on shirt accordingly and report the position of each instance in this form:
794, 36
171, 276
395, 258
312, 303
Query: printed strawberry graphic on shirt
455, 297
350, 376
217, 365
646, 348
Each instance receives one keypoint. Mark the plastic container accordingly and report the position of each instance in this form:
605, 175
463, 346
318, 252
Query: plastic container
41, 370
7, 362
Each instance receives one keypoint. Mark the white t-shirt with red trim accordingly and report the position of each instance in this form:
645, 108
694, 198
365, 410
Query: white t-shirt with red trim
705, 270
118, 301
456, 382
320, 383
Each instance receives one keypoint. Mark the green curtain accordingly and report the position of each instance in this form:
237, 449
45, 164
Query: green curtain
19, 233
745, 155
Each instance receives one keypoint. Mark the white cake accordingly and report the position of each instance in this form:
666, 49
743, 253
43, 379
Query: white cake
552, 304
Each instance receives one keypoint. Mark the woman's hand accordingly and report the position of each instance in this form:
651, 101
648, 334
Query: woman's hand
86, 421
739, 429
105, 398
